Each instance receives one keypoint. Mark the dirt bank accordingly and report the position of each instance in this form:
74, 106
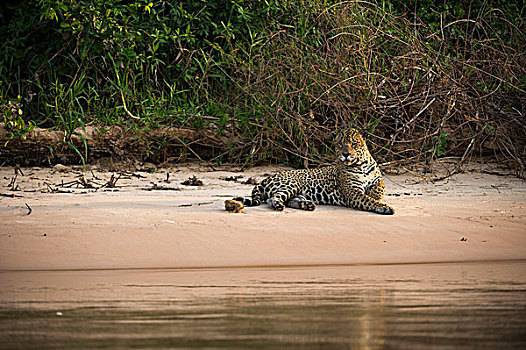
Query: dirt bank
148, 220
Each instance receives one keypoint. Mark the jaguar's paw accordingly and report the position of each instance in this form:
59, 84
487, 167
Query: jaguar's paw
276, 204
384, 210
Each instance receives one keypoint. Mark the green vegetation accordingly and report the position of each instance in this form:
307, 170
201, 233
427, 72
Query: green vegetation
273, 80
13, 119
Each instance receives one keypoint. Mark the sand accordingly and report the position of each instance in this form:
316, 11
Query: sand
471, 216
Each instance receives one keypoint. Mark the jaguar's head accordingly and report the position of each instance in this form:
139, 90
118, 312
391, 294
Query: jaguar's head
351, 147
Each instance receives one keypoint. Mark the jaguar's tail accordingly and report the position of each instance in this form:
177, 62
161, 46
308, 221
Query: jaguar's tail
257, 197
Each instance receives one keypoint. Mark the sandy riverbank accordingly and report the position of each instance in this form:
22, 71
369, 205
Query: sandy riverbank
137, 225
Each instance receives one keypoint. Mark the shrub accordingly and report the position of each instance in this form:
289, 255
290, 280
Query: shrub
422, 80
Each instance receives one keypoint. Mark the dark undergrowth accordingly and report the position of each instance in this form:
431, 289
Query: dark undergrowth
273, 80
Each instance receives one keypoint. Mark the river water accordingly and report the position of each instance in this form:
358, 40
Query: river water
412, 306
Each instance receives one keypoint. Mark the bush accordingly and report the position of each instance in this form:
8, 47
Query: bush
421, 80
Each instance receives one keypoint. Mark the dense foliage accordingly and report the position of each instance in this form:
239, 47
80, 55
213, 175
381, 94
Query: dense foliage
276, 78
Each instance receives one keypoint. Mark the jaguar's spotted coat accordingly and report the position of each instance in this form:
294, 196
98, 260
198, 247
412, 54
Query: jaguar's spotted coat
354, 182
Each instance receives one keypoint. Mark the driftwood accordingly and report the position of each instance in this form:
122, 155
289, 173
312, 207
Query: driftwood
44, 146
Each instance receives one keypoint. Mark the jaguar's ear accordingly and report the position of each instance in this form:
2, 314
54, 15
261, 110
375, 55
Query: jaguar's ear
362, 132
339, 136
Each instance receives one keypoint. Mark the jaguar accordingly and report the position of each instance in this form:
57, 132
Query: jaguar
355, 181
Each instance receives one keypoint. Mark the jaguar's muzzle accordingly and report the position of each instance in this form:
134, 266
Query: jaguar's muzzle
347, 157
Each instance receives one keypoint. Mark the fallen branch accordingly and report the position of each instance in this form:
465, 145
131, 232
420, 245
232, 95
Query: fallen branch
29, 209
160, 187
112, 182
10, 195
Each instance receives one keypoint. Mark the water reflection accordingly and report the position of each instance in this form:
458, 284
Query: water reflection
437, 306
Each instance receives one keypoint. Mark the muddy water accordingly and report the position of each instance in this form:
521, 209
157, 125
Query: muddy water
434, 306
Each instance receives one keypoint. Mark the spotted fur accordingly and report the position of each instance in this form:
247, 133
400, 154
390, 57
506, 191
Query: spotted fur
355, 182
